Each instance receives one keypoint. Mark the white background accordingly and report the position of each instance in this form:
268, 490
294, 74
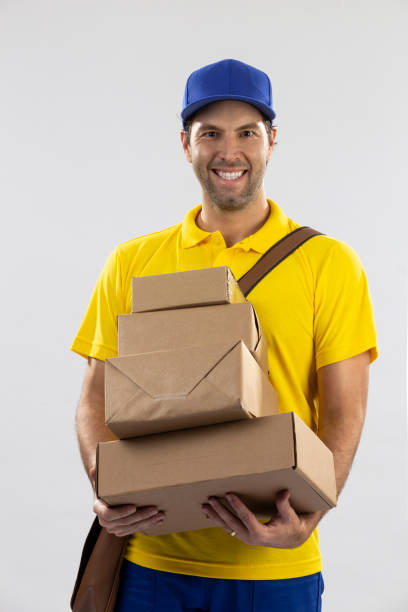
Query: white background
90, 157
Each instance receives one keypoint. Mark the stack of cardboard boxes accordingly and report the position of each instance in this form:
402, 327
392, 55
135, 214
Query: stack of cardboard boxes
182, 395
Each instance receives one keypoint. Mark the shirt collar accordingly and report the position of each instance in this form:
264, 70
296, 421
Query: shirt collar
275, 227
191, 234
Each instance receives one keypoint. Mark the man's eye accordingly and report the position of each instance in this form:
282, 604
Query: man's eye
210, 134
248, 132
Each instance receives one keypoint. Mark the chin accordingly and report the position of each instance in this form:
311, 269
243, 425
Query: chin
230, 205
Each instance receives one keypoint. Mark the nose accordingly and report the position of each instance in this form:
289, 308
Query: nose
228, 148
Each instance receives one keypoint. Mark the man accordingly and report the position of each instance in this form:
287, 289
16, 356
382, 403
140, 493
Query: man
316, 313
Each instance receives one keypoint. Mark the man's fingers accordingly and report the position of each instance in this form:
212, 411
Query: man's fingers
283, 506
112, 513
224, 517
125, 520
211, 514
133, 519
247, 517
139, 526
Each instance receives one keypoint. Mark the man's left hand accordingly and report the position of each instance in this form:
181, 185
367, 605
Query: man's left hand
286, 529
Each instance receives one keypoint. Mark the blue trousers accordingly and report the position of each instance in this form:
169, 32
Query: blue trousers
146, 590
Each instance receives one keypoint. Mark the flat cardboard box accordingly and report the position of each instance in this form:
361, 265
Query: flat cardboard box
203, 287
163, 330
254, 458
181, 388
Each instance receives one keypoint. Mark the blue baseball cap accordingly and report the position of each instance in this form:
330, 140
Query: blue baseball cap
228, 79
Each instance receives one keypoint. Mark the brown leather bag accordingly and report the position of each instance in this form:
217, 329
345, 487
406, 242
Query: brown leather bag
97, 581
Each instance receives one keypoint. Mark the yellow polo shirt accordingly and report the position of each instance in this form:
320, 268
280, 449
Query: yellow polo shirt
315, 309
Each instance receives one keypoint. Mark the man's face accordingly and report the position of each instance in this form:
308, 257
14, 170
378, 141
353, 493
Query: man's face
229, 150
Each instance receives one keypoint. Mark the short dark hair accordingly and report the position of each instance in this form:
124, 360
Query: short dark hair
189, 123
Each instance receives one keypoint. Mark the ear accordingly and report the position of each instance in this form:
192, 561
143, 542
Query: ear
186, 147
271, 142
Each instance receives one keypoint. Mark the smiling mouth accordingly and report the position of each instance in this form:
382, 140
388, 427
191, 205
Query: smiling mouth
229, 176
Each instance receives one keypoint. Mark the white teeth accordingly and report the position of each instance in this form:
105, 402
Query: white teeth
230, 176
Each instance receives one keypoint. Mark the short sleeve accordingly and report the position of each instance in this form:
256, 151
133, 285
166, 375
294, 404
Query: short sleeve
98, 336
344, 320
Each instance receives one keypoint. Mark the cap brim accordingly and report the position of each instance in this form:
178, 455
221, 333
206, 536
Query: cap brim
193, 108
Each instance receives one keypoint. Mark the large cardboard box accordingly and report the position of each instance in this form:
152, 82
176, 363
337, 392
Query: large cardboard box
185, 327
181, 388
204, 287
254, 458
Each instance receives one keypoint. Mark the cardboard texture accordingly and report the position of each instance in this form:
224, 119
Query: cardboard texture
204, 287
255, 458
189, 387
186, 327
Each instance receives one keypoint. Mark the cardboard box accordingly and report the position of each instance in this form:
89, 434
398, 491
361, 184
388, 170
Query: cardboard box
204, 287
255, 458
183, 327
189, 387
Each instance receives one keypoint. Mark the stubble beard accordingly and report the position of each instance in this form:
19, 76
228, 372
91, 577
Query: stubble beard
230, 202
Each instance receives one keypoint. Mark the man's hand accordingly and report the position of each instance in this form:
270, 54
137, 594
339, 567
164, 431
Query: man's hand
286, 529
126, 519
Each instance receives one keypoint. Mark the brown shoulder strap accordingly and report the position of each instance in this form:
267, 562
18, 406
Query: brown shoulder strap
273, 256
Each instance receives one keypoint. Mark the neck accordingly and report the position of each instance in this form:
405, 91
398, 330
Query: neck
234, 225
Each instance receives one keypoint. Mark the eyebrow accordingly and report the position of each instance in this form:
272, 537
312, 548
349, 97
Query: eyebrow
209, 126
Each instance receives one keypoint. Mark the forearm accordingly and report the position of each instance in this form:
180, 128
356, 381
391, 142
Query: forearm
342, 436
343, 388
91, 429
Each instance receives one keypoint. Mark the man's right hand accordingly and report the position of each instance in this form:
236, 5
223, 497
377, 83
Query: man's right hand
126, 519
